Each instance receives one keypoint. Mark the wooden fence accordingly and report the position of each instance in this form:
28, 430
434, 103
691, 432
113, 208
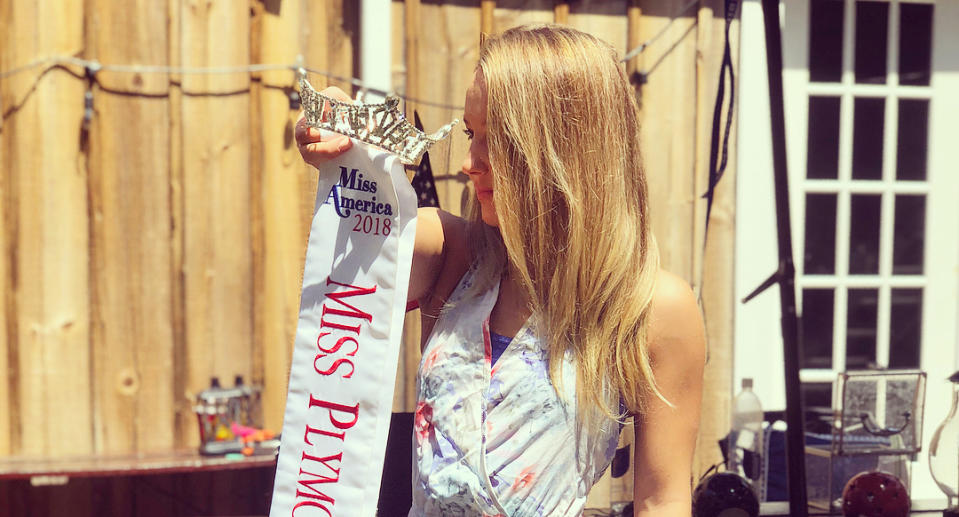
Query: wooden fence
158, 241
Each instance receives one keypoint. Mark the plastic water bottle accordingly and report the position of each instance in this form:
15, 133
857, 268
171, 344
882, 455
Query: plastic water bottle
746, 437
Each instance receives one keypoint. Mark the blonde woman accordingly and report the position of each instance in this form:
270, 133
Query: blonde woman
547, 320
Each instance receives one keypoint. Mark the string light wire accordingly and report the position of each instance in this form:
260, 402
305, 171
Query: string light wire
94, 66
639, 49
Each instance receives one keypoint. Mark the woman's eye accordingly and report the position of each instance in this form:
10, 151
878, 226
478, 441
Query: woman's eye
469, 133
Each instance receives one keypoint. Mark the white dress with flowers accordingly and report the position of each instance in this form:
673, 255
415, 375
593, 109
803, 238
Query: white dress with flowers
498, 441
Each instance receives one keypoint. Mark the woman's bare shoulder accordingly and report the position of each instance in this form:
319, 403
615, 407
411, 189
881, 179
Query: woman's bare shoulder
676, 322
441, 246
439, 232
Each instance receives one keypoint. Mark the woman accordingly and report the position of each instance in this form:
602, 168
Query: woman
546, 319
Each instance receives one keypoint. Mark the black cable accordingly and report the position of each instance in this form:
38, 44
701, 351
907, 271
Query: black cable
720, 152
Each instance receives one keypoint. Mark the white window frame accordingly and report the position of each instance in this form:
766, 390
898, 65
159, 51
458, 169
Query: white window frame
758, 349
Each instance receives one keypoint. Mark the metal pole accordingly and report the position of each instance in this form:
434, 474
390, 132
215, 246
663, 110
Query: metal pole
795, 446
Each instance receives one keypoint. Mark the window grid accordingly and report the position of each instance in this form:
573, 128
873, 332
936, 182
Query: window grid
845, 187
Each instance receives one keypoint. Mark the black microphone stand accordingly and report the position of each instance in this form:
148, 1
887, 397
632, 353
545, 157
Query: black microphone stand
786, 274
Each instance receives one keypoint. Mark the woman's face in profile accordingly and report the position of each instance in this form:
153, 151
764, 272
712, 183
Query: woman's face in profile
476, 165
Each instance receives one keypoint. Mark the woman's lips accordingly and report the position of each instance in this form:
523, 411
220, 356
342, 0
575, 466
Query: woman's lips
484, 194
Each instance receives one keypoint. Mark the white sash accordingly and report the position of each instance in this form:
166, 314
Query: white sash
347, 338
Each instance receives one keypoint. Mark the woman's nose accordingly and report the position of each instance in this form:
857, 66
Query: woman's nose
472, 164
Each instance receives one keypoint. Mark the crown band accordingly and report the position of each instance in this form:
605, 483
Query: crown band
380, 124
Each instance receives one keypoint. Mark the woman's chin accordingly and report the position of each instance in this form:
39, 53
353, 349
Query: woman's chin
490, 219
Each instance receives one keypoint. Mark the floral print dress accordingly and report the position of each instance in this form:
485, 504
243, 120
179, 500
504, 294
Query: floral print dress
497, 440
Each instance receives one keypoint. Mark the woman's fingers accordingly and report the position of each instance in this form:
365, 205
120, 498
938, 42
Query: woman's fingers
336, 93
326, 148
313, 147
303, 133
315, 151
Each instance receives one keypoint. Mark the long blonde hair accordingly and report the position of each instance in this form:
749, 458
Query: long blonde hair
570, 196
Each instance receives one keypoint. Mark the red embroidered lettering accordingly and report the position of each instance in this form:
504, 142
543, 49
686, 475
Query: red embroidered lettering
353, 312
336, 364
311, 430
332, 406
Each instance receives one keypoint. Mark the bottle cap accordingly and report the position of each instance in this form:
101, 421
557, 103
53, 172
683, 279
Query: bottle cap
747, 382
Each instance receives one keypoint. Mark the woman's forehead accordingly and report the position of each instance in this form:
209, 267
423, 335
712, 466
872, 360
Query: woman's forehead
475, 109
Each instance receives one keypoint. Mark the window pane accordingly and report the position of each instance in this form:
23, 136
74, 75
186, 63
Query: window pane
909, 235
915, 43
817, 318
872, 19
861, 328
905, 328
825, 40
822, 160
868, 124
817, 401
911, 146
864, 234
820, 238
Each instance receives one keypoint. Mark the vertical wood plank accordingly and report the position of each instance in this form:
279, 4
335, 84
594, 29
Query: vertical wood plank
634, 13
717, 282
561, 12
333, 28
217, 257
668, 116
6, 415
448, 57
185, 425
6, 285
603, 19
412, 30
281, 249
130, 232
257, 228
48, 238
521, 12
487, 13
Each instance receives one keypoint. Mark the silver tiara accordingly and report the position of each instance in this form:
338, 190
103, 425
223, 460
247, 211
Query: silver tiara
379, 124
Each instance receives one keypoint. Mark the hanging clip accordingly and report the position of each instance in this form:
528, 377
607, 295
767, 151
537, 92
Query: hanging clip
299, 69
92, 68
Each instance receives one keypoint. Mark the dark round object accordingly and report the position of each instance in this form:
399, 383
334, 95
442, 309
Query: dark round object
875, 494
725, 494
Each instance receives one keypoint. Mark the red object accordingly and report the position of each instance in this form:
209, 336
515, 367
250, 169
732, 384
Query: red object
875, 494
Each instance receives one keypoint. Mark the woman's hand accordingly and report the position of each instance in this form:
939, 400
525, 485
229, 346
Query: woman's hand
313, 148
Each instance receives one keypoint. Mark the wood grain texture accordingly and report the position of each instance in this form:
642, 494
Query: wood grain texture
448, 55
48, 236
7, 226
634, 14
487, 12
131, 272
519, 12
280, 249
217, 257
257, 229
412, 29
716, 282
668, 114
336, 23
561, 12
603, 19
185, 424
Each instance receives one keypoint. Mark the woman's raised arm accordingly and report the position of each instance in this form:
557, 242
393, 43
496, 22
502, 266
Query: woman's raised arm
438, 234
